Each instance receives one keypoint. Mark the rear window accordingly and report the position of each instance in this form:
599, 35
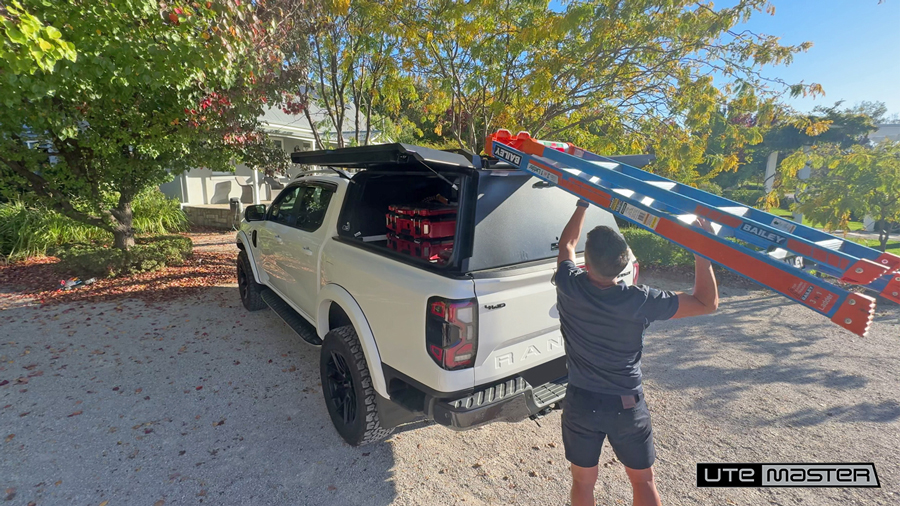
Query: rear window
518, 221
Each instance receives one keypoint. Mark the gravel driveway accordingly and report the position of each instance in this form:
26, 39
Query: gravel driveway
196, 401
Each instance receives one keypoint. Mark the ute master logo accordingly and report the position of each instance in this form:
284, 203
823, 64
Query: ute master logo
501, 152
765, 234
787, 475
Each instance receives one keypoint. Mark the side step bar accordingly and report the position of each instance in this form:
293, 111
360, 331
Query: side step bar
293, 319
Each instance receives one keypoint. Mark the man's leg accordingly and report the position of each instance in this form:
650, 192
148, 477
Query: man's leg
642, 484
583, 481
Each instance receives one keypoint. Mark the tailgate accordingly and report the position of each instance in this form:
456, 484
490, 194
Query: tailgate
518, 324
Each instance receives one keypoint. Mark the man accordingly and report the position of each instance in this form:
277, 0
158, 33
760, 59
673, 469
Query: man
603, 325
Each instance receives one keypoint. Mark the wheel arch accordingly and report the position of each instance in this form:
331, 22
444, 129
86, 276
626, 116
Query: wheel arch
243, 244
337, 308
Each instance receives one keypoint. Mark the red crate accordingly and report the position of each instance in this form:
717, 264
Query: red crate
438, 250
427, 209
421, 228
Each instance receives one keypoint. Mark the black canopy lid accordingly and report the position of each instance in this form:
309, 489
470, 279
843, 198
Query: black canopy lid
381, 154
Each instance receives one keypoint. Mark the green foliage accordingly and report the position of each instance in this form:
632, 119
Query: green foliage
30, 230
27, 44
607, 75
748, 196
148, 254
862, 180
652, 250
156, 88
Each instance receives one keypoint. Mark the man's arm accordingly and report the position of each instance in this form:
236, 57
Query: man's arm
704, 298
569, 238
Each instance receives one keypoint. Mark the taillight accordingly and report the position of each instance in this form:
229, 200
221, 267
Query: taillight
635, 268
451, 332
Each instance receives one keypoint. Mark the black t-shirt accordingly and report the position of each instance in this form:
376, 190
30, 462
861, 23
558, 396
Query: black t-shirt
603, 329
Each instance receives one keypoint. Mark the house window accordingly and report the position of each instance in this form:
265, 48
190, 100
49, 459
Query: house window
278, 144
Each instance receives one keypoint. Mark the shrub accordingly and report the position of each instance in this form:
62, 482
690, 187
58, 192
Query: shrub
30, 230
651, 249
148, 254
746, 196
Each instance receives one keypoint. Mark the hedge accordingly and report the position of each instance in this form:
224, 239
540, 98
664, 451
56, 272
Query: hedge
148, 254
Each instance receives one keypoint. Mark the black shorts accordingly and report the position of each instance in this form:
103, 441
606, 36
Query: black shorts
589, 417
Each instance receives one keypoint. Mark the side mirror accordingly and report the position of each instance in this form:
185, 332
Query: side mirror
255, 213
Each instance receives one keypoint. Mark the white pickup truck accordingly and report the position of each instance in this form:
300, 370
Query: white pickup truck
466, 338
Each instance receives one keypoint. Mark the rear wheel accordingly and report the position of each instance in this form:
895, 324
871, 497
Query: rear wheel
249, 289
347, 387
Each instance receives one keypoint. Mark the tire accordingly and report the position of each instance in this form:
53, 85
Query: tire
250, 291
347, 388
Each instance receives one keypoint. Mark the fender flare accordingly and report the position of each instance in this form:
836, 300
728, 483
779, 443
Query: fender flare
336, 294
246, 247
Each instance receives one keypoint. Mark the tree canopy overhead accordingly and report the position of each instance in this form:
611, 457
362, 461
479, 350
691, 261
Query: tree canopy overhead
606, 74
127, 90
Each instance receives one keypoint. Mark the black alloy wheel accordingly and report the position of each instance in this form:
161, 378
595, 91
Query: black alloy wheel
341, 393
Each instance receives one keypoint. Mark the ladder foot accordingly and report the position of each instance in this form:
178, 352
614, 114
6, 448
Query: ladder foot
892, 291
856, 313
889, 261
863, 272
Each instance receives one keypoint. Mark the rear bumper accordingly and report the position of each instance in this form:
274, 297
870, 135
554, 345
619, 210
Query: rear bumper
513, 400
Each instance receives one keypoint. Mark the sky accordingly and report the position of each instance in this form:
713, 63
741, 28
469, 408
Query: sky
855, 54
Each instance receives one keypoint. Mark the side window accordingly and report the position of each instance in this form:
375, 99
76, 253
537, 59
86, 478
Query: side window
314, 202
284, 209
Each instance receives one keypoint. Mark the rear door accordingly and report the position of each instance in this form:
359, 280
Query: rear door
302, 244
270, 235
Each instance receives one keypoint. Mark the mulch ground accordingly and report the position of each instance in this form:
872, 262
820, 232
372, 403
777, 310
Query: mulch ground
36, 281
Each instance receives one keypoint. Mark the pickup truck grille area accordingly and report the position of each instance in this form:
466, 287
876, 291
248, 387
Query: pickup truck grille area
492, 394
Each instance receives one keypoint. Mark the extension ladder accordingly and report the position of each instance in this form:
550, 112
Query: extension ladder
745, 240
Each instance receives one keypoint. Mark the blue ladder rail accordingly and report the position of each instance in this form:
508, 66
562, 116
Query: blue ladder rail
653, 205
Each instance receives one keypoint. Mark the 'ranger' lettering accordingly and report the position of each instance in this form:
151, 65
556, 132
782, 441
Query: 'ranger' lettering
765, 234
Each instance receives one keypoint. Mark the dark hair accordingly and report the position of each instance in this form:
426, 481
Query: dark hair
606, 252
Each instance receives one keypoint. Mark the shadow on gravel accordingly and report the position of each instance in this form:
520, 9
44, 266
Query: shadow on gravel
882, 412
751, 342
187, 402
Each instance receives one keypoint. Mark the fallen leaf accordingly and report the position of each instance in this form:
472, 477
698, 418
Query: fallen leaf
199, 388
220, 422
4, 382
10, 493
159, 502
292, 369
9, 438
75, 413
139, 390
104, 503
332, 488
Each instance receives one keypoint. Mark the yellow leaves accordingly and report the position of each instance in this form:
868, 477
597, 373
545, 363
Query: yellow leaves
817, 127
338, 7
439, 129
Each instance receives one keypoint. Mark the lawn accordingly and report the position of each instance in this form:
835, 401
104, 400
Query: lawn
853, 225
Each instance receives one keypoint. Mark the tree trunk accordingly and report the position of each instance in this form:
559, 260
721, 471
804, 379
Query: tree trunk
123, 232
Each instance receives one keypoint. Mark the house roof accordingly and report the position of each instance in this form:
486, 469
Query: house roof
276, 121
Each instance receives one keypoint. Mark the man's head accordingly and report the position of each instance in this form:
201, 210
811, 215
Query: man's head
605, 253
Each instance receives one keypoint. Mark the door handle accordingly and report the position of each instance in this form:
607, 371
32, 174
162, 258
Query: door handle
278, 239
307, 250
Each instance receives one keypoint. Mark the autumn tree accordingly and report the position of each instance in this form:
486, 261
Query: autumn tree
105, 99
861, 180
609, 75
354, 71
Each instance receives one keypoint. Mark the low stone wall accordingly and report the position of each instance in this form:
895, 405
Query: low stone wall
210, 216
